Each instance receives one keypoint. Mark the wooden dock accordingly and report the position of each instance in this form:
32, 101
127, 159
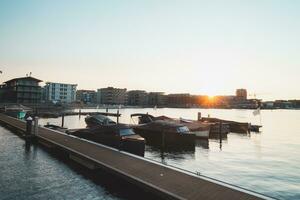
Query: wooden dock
165, 181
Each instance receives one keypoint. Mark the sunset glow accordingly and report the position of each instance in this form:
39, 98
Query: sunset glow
175, 47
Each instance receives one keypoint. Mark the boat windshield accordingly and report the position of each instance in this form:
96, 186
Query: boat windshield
127, 131
183, 129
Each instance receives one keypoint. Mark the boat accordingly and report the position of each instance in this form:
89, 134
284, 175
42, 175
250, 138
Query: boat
157, 131
201, 130
235, 127
115, 135
55, 127
217, 128
254, 128
94, 120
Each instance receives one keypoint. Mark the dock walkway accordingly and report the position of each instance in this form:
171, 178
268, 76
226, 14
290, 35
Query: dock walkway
165, 181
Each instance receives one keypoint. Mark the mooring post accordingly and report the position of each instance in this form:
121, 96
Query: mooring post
107, 109
36, 126
63, 120
118, 114
163, 140
28, 125
199, 116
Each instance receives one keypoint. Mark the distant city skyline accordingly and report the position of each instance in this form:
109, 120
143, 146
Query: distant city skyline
197, 47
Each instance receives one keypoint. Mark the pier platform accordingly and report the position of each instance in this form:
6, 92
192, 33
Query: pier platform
164, 181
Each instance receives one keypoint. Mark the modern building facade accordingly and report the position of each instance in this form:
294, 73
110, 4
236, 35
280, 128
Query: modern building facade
60, 92
86, 96
179, 100
24, 90
157, 99
137, 98
112, 96
241, 94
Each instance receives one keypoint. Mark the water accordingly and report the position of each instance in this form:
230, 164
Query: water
266, 162
31, 172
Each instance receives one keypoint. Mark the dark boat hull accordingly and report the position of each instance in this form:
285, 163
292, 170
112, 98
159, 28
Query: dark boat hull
160, 138
235, 127
137, 148
134, 147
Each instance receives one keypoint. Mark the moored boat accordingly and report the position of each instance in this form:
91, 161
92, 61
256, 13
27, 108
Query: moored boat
200, 129
55, 127
119, 136
235, 127
164, 132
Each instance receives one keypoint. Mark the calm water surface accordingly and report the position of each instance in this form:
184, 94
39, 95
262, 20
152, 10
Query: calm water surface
266, 162
30, 172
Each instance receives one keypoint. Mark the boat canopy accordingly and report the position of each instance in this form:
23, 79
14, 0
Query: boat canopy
141, 115
100, 119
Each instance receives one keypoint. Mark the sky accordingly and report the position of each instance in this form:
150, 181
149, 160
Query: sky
175, 46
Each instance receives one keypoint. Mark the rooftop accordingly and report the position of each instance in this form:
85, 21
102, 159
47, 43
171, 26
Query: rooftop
21, 78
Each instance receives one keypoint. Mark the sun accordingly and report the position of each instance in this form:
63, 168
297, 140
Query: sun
211, 98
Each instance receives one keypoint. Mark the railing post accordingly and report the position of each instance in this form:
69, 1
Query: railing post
36, 126
118, 113
28, 125
62, 120
199, 116
220, 133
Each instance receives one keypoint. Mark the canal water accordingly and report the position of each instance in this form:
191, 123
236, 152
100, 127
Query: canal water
29, 171
266, 162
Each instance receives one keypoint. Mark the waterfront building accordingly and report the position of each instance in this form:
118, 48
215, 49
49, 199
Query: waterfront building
137, 98
246, 104
268, 104
86, 96
241, 94
179, 100
25, 90
60, 92
156, 99
283, 104
199, 100
112, 96
295, 103
226, 101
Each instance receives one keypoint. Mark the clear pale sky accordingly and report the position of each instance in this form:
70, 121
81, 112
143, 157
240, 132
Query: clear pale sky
201, 47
